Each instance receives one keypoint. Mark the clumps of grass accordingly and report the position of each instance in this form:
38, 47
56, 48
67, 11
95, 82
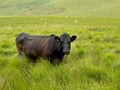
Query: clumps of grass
116, 66
13, 79
13, 73
108, 59
3, 62
92, 64
39, 70
5, 46
110, 38
116, 69
94, 29
79, 51
117, 51
7, 52
2, 82
95, 73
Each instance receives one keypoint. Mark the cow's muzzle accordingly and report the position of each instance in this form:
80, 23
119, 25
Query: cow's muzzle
67, 52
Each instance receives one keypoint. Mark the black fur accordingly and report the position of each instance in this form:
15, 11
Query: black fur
50, 47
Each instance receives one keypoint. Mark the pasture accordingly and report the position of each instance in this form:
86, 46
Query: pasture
82, 8
94, 62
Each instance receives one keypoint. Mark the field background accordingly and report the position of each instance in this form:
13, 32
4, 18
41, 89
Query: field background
94, 62
82, 8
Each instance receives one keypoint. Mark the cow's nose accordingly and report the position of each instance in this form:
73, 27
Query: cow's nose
67, 52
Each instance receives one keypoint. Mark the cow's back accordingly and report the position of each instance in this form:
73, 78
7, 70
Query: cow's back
39, 46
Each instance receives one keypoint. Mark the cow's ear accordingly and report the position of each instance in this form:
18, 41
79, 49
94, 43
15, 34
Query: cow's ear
57, 38
73, 38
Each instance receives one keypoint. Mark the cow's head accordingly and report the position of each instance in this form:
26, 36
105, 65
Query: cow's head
66, 40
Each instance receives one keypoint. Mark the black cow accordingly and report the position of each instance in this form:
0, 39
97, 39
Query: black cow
50, 47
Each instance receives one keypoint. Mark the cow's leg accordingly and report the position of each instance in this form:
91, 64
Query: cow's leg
60, 58
51, 60
31, 59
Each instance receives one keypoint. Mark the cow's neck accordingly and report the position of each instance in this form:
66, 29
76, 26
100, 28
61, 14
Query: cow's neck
60, 49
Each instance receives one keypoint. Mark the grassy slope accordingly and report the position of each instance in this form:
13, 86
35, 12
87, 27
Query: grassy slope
90, 8
84, 8
93, 64
22, 8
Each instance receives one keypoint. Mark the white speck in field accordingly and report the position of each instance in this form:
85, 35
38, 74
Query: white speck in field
76, 21
41, 18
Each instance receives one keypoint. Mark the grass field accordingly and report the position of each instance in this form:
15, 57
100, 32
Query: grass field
94, 62
82, 8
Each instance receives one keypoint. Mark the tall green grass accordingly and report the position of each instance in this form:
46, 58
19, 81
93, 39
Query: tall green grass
94, 62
